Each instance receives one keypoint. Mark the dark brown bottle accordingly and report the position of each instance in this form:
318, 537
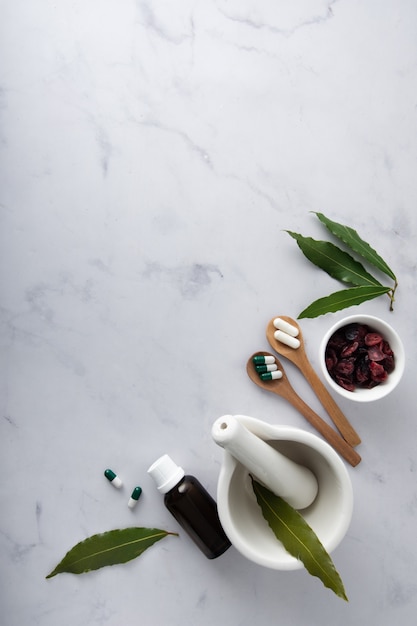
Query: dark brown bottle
191, 505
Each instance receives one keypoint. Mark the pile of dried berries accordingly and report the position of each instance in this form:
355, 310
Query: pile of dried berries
357, 356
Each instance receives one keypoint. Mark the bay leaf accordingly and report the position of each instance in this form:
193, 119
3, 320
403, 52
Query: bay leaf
337, 263
342, 299
298, 538
108, 548
351, 238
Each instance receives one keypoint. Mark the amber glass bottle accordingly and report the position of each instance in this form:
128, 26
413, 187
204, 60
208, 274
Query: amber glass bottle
191, 505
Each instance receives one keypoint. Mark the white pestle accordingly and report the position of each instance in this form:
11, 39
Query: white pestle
295, 483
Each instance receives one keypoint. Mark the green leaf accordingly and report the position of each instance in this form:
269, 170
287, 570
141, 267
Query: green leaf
351, 238
334, 261
109, 548
298, 538
342, 300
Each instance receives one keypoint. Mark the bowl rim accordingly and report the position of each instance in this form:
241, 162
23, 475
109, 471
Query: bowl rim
382, 390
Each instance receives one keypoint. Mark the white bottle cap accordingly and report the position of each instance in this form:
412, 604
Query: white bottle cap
166, 473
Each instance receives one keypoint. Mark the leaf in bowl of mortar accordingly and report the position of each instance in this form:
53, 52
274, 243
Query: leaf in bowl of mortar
109, 548
298, 538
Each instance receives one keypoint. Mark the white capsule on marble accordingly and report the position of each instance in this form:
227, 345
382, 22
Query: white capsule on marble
281, 324
292, 342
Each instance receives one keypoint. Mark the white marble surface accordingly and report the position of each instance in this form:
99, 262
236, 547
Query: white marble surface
152, 154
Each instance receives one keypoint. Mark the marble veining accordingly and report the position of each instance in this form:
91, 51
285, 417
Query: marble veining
152, 156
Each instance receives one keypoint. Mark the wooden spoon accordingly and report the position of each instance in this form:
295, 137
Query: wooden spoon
298, 356
282, 387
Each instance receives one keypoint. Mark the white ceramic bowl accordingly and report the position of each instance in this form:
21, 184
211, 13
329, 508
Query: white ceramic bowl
241, 517
390, 335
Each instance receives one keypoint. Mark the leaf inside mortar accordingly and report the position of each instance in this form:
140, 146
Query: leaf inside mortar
298, 538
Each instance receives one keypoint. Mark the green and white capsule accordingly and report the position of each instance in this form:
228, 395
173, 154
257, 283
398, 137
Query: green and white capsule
266, 368
133, 500
260, 359
113, 478
272, 375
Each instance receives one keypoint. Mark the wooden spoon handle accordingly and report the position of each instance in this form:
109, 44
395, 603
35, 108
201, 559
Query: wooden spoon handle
340, 421
332, 437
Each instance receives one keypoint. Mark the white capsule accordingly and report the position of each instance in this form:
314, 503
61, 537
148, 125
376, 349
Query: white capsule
286, 327
292, 342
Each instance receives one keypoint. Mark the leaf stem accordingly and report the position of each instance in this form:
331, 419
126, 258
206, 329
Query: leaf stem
391, 296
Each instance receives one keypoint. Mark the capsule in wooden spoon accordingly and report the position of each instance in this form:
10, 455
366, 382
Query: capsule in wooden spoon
282, 387
297, 355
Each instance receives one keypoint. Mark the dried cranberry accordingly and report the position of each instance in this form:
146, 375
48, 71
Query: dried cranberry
331, 359
386, 349
362, 372
375, 353
372, 339
378, 374
345, 367
349, 349
351, 332
346, 384
337, 341
389, 364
